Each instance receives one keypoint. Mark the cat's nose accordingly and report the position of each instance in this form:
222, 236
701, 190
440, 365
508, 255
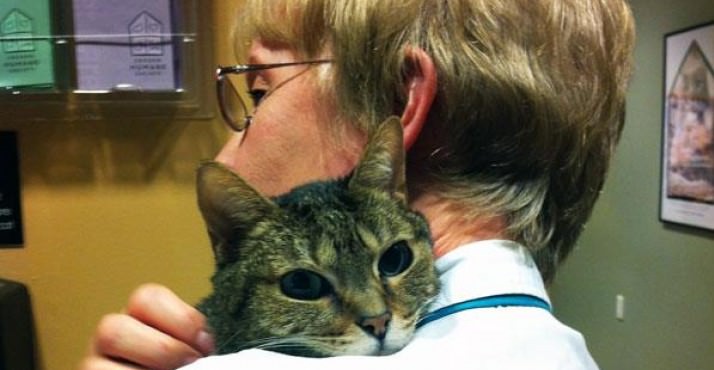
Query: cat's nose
376, 325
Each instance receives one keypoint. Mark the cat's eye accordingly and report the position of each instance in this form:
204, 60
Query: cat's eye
395, 260
304, 285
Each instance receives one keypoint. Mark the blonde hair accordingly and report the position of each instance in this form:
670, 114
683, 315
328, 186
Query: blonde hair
530, 100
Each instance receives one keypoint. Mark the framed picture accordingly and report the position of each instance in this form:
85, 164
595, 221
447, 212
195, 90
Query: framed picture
687, 192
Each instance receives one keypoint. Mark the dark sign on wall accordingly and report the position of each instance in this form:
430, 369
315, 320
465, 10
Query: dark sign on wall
10, 215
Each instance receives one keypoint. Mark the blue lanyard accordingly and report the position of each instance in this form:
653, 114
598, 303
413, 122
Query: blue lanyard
504, 300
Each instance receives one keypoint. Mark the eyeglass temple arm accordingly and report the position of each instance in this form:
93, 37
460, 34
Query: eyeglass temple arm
242, 68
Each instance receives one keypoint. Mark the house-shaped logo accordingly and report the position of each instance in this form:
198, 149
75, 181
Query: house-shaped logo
694, 76
13, 28
145, 33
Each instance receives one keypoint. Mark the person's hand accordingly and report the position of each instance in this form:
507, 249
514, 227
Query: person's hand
158, 331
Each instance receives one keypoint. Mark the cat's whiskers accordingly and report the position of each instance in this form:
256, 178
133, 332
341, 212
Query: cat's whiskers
295, 342
421, 310
329, 344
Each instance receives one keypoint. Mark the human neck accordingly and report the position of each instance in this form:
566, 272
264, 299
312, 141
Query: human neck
450, 229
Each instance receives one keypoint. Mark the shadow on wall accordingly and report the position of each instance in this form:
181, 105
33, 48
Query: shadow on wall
688, 230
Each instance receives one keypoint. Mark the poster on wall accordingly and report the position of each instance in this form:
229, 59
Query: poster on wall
687, 192
125, 45
26, 55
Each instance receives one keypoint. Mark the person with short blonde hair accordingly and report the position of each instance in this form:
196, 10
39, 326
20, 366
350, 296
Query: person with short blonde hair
511, 112
529, 107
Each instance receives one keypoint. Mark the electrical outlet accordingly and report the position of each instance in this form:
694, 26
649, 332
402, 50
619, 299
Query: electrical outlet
620, 307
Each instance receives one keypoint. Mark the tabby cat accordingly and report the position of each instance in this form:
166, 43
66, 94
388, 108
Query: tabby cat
332, 268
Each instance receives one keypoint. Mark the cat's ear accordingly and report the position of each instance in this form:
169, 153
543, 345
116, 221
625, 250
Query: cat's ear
382, 166
229, 206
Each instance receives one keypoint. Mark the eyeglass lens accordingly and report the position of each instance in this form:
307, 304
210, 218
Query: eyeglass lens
236, 110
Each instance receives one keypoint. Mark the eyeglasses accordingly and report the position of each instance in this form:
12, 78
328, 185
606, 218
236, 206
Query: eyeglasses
235, 111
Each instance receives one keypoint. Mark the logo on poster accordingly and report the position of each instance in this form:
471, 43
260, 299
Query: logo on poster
13, 28
145, 35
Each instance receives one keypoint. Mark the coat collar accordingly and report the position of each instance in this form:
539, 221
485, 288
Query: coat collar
487, 268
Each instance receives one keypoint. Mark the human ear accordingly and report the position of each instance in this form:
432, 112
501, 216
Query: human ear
420, 83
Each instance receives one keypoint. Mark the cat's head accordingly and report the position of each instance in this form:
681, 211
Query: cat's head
331, 268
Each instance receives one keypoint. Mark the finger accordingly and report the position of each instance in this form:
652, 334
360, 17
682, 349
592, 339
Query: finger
101, 363
160, 308
124, 338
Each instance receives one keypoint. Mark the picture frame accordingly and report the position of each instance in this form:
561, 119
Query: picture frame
687, 180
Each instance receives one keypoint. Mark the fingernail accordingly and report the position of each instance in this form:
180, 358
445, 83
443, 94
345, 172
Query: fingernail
205, 342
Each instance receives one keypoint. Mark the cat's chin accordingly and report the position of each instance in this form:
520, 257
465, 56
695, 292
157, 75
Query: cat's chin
367, 345
386, 351
362, 346
376, 348
392, 346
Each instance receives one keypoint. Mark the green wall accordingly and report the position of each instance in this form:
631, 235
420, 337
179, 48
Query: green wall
665, 272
